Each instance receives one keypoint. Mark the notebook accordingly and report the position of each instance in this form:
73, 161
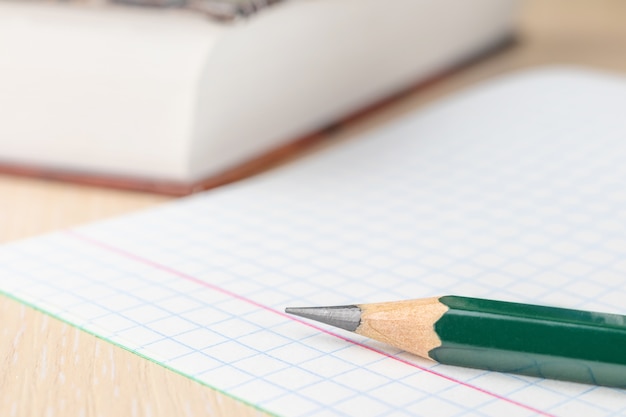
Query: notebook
512, 190
172, 101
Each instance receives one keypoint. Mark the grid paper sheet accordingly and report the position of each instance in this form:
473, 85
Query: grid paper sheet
514, 191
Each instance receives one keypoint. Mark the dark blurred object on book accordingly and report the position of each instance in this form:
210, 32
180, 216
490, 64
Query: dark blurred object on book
221, 9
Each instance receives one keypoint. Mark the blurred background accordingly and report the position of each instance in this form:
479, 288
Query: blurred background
590, 33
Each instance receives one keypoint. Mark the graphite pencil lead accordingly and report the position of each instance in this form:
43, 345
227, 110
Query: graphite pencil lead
343, 317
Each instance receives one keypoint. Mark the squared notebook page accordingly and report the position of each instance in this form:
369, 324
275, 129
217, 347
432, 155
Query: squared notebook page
513, 190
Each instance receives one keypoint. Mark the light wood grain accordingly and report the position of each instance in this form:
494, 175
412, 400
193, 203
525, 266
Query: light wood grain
30, 206
388, 323
50, 368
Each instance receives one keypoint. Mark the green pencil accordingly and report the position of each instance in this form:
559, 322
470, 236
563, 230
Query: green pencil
548, 342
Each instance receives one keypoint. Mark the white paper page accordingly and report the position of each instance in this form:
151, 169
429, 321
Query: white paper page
513, 191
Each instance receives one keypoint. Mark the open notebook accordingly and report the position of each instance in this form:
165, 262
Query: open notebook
513, 190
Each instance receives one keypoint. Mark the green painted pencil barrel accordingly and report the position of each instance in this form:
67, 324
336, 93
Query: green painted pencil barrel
547, 342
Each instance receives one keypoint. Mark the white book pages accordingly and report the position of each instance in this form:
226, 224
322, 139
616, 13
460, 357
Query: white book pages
170, 95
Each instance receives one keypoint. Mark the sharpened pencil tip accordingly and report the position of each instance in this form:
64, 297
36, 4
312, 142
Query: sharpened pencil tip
344, 317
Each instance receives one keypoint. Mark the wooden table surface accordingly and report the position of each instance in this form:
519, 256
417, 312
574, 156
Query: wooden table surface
50, 368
